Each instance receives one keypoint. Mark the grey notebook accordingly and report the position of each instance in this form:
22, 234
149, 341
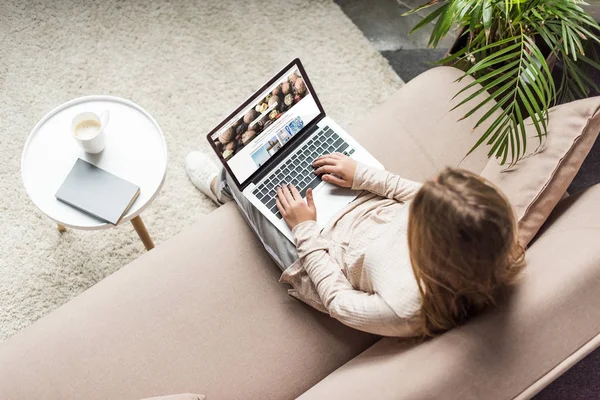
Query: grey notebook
97, 192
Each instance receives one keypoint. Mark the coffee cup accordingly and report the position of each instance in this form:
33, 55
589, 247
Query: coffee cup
88, 130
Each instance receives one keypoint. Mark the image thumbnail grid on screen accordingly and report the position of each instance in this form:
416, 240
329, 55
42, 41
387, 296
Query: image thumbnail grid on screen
252, 137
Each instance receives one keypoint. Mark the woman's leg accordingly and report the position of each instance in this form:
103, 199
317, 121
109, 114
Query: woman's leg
281, 250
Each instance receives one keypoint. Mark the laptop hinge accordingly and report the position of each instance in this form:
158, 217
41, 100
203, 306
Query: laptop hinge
278, 157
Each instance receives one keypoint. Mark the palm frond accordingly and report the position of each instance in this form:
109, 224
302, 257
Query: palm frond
502, 42
429, 18
525, 91
424, 6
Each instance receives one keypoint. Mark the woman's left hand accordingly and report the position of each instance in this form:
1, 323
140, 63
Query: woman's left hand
292, 207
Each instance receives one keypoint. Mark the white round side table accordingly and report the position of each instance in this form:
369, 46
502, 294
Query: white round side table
135, 151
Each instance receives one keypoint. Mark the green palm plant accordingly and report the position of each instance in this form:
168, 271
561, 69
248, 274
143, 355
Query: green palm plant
510, 48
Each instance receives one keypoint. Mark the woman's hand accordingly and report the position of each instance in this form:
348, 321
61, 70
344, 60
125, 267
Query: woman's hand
292, 207
336, 168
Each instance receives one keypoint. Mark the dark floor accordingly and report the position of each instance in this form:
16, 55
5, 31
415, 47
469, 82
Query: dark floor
382, 23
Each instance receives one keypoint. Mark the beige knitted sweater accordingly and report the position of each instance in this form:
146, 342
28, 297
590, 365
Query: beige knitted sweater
357, 269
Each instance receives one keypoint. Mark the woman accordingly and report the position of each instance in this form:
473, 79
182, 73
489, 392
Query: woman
402, 259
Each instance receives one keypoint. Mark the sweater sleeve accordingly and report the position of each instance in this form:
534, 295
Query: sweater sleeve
357, 309
384, 183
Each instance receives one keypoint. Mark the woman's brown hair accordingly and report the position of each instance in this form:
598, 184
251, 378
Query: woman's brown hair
462, 236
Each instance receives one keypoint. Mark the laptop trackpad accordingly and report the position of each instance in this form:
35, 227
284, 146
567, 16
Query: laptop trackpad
329, 199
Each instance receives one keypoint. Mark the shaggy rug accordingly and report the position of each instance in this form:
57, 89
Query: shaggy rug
188, 63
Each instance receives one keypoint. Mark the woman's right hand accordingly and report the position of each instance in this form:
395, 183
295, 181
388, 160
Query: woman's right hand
336, 168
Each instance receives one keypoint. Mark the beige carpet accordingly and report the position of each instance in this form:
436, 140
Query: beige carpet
189, 64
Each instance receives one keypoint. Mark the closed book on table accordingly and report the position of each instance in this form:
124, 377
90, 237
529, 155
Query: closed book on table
97, 192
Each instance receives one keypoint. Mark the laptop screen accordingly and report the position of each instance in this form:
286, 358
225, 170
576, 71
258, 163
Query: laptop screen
266, 123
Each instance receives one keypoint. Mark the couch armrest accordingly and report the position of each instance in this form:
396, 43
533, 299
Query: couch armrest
415, 134
551, 314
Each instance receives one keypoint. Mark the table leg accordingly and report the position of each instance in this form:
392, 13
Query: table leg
61, 228
142, 232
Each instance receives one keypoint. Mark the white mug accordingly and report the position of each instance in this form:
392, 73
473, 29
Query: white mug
88, 130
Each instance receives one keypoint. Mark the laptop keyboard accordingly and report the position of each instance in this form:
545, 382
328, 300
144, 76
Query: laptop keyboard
297, 170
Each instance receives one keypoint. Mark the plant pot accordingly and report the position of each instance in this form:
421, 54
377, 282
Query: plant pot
458, 44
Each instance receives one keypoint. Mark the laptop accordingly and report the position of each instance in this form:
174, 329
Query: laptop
273, 138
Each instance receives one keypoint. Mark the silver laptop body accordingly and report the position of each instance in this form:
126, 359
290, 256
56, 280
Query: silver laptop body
273, 137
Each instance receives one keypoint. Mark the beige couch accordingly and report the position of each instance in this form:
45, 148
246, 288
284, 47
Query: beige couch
204, 312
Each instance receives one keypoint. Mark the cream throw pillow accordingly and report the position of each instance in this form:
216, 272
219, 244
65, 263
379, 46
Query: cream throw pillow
537, 183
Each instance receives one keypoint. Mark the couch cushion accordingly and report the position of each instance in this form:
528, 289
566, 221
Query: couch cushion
552, 312
537, 183
201, 313
415, 134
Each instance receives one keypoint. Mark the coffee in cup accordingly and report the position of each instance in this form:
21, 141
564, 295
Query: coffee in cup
88, 131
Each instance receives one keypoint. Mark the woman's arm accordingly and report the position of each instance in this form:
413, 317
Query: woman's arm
383, 183
343, 171
357, 309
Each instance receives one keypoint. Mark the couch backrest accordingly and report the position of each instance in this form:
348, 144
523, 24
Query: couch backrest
414, 134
